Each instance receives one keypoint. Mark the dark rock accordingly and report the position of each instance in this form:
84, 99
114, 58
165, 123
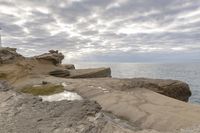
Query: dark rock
44, 82
4, 86
60, 73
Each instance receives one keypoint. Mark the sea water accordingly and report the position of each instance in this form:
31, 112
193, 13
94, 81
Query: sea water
187, 72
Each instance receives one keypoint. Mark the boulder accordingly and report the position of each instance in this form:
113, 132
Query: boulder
60, 73
9, 55
172, 88
90, 73
53, 56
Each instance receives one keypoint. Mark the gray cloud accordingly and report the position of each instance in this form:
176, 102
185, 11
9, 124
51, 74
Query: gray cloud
103, 29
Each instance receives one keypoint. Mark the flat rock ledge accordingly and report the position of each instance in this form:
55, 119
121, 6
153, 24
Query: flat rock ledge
172, 88
22, 113
109, 105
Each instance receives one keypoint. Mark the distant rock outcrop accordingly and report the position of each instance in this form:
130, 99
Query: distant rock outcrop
90, 73
68, 66
9, 55
60, 73
53, 56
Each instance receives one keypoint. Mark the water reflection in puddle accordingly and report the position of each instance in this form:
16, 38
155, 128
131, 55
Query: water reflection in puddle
65, 95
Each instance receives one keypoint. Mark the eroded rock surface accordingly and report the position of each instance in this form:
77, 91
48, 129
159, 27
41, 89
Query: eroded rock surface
172, 88
9, 55
90, 73
141, 107
60, 73
53, 56
4, 86
22, 113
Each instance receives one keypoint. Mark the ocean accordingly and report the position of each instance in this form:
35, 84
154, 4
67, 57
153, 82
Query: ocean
187, 72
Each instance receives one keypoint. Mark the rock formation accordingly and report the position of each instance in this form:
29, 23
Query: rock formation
21, 113
4, 86
68, 66
9, 55
60, 73
90, 73
172, 88
137, 105
53, 56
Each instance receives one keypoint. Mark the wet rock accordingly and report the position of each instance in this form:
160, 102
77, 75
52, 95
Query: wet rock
60, 73
40, 89
25, 113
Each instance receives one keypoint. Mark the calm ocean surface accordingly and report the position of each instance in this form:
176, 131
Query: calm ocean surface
188, 72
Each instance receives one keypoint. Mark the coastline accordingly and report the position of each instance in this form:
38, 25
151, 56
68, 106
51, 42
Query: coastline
109, 104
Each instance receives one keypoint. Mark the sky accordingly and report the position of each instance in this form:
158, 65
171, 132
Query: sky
104, 30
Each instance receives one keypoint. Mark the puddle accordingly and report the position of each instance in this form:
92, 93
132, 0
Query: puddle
65, 95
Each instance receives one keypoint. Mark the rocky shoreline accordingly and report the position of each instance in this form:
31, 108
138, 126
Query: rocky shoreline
108, 105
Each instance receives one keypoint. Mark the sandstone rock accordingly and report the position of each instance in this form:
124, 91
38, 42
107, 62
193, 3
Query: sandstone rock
53, 51
68, 66
53, 56
9, 55
90, 73
133, 102
172, 88
60, 73
22, 113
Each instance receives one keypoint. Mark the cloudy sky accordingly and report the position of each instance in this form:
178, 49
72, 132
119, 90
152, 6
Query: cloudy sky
104, 30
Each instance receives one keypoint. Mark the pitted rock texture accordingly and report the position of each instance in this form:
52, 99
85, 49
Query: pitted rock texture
22, 114
60, 73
